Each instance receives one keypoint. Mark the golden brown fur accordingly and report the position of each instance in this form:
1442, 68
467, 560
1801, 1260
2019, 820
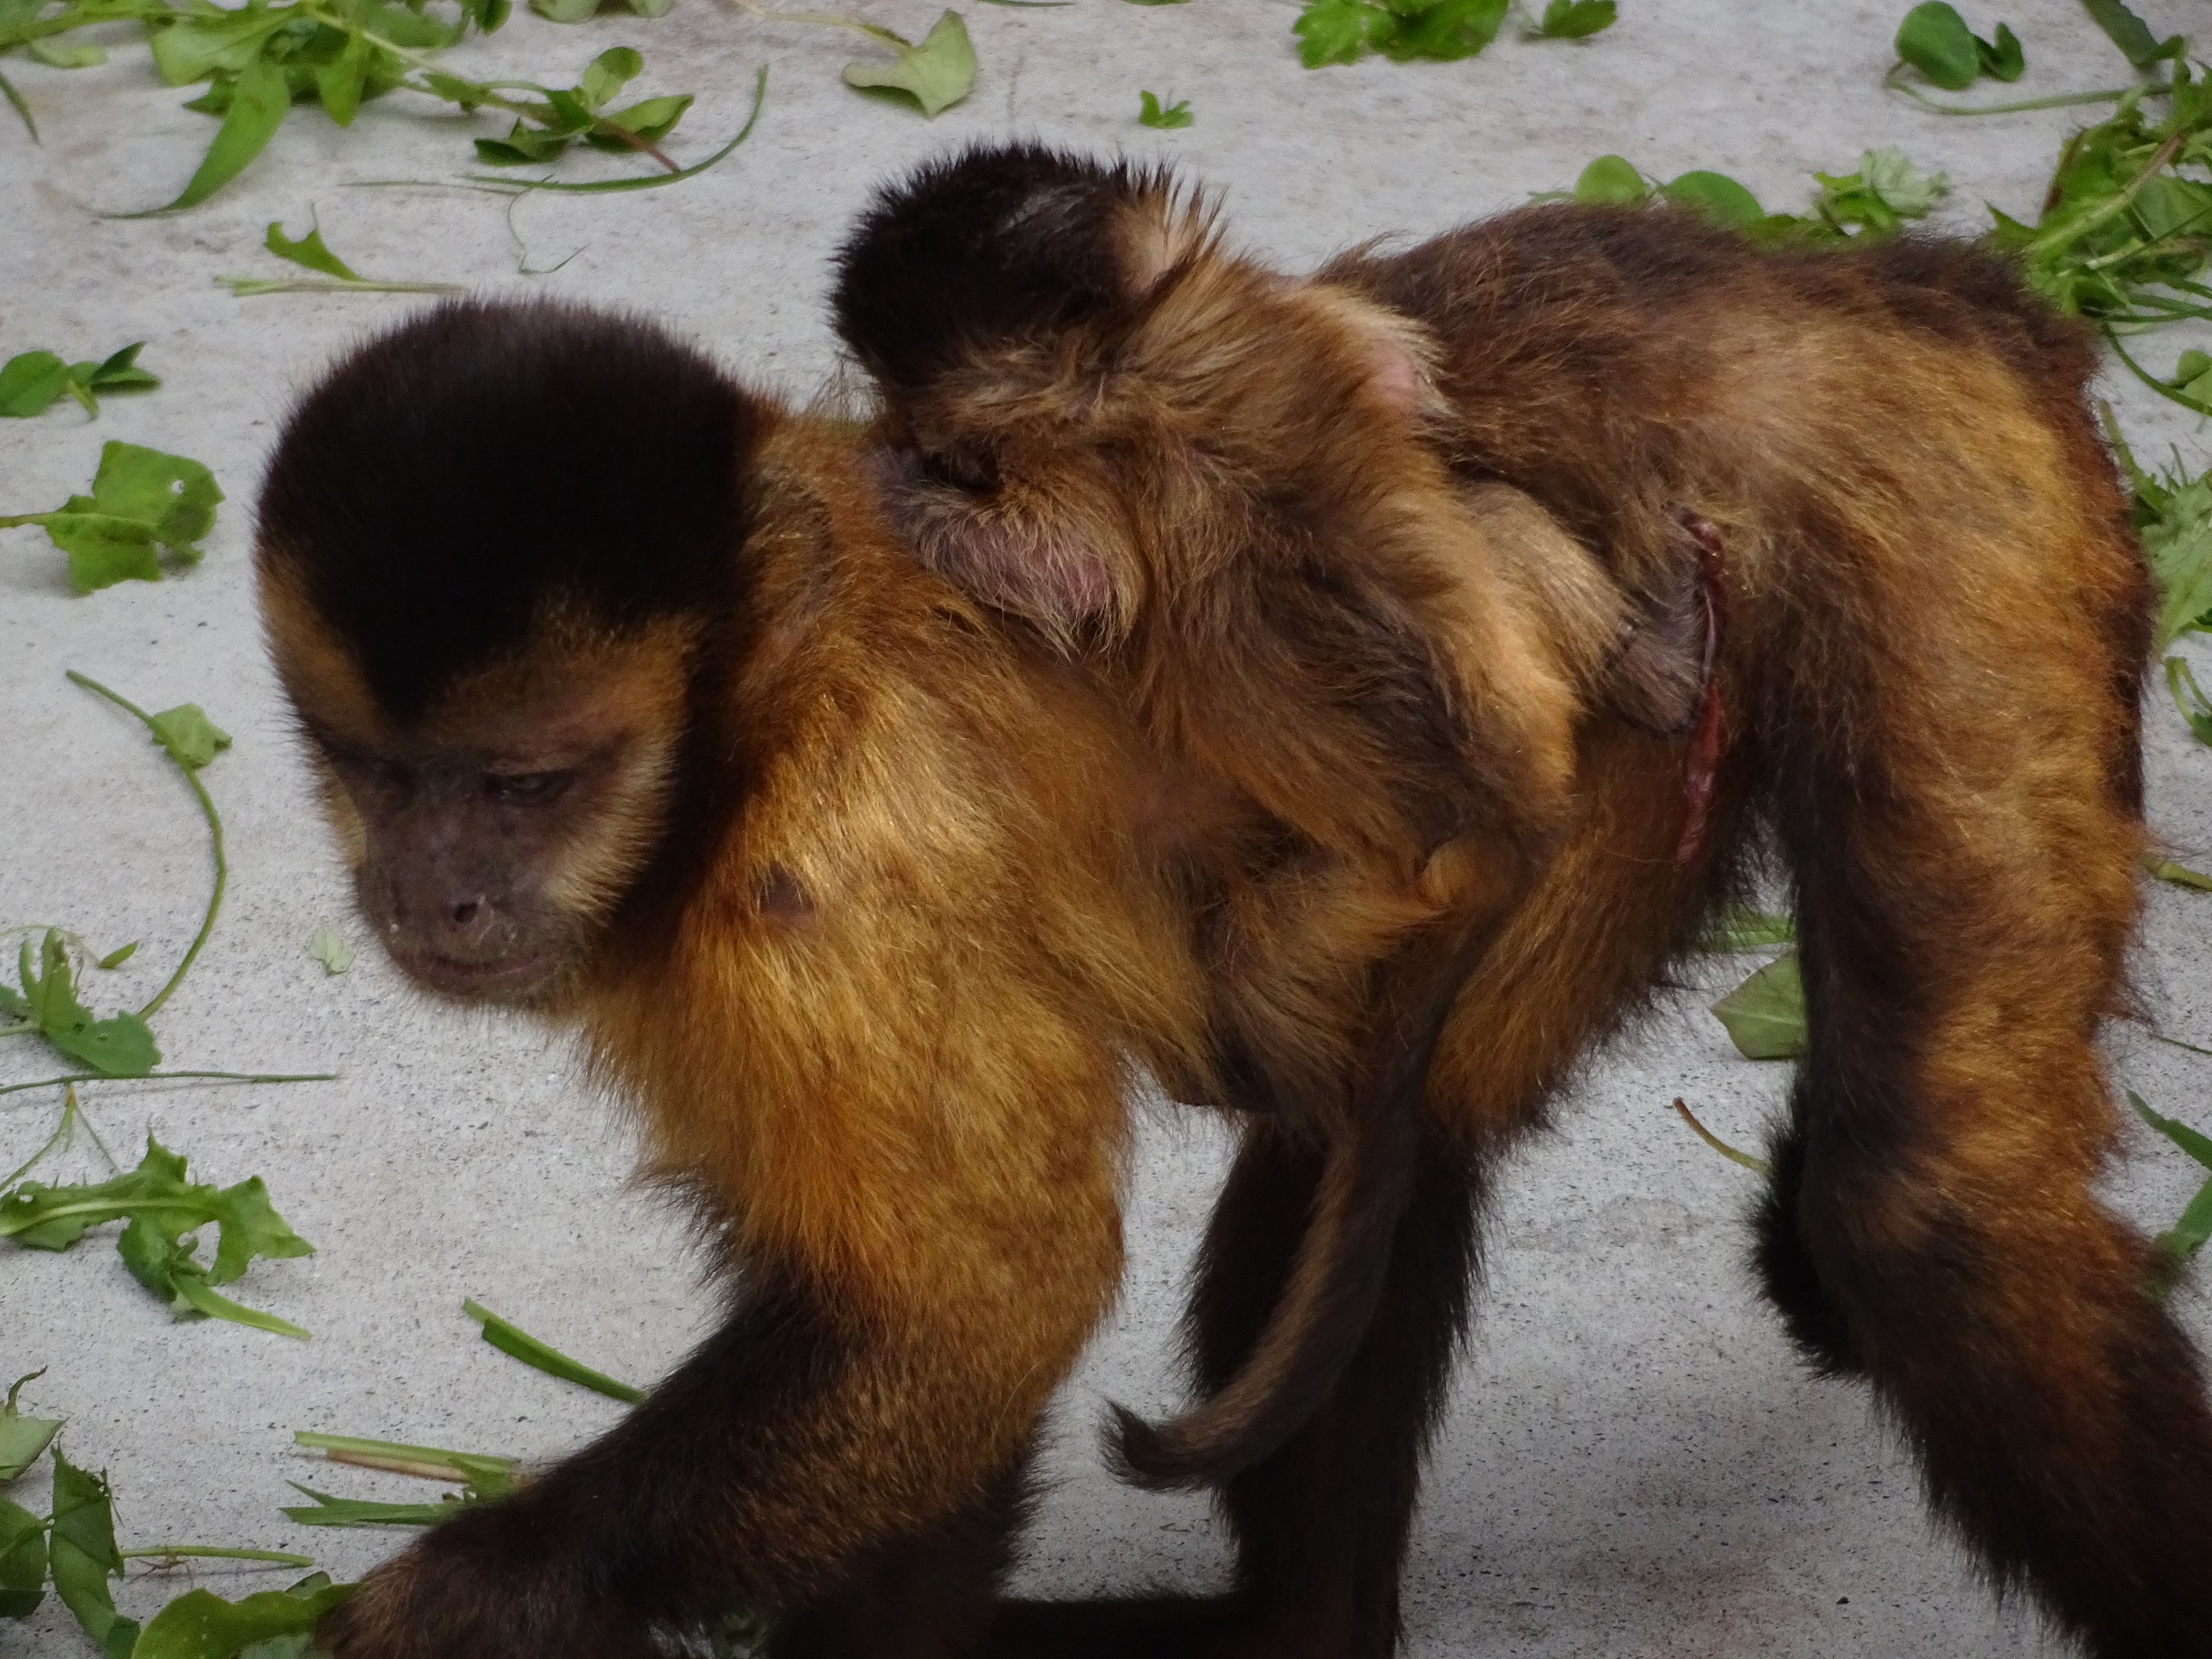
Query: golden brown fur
1201, 670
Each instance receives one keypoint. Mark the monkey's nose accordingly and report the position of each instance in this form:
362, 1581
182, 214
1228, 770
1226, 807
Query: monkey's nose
465, 912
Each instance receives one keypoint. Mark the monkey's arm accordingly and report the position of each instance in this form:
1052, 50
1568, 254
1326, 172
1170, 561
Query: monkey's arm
828, 1424
872, 1049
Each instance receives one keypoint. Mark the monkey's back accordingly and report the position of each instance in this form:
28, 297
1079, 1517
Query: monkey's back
1935, 597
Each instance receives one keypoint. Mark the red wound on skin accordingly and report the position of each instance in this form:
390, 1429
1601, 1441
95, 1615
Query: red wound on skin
1703, 764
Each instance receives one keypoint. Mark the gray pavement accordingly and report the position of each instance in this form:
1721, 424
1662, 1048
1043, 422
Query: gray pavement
1633, 1464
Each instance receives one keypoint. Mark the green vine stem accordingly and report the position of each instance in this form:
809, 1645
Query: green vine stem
2059, 100
215, 1553
215, 839
236, 1077
1757, 1165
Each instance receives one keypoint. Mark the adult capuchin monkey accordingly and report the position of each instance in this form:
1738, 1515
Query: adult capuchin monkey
1340, 697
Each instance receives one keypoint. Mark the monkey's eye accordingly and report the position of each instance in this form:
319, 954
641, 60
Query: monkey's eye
367, 772
528, 788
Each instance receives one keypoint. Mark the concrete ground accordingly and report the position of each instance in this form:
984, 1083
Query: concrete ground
1635, 1464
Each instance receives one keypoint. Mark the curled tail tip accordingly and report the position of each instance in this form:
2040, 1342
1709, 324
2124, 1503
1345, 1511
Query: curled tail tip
1162, 1456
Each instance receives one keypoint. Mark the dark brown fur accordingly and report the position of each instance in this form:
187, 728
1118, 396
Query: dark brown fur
1233, 688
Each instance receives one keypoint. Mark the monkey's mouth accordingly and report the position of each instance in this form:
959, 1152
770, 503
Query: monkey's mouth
508, 977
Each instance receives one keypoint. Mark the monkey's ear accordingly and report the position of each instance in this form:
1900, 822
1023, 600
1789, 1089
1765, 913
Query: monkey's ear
994, 246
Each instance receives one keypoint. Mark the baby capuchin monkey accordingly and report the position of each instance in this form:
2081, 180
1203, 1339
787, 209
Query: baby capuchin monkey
1340, 697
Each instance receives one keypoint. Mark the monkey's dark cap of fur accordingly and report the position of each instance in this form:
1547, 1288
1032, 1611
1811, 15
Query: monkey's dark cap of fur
446, 478
993, 244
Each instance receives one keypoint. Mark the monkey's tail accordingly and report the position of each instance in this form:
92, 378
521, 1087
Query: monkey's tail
1337, 1280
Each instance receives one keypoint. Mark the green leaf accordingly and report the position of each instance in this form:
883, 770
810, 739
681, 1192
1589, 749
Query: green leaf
116, 957
120, 372
164, 1212
2179, 875
22, 1561
200, 1624
1610, 181
103, 549
328, 946
2190, 698
250, 1228
339, 86
258, 102
1738, 929
566, 11
328, 1511
82, 1549
191, 738
174, 496
31, 383
2002, 59
1150, 113
1440, 31
936, 74
2189, 1140
1334, 31
1907, 191
2131, 36
1936, 41
119, 1046
1717, 196
195, 48
655, 180
524, 146
651, 119
2174, 517
1570, 20
23, 1438
56, 56
512, 1340
2186, 1236
22, 110
1765, 1016
607, 74
483, 1474
193, 1290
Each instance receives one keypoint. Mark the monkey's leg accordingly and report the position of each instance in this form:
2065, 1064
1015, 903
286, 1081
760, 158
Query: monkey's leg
1933, 1224
1321, 1525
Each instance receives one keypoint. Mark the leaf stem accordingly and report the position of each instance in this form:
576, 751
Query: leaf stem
2059, 100
215, 840
15, 102
60, 1134
1758, 1166
428, 65
2061, 236
281, 1558
238, 1077
248, 288
478, 181
2173, 393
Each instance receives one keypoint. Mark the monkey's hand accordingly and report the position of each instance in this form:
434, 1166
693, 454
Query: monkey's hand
508, 1580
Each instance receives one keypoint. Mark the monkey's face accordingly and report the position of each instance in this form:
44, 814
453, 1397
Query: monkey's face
491, 838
